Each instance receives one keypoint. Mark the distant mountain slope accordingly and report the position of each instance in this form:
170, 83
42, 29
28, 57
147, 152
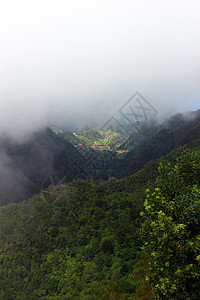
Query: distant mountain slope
27, 168
47, 158
158, 141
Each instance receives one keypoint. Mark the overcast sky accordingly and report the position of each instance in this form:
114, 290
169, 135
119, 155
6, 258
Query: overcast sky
62, 59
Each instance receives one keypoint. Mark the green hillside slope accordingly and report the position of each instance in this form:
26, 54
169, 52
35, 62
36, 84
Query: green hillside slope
154, 141
76, 241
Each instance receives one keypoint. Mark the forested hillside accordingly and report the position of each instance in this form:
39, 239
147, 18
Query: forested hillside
29, 166
153, 141
46, 158
171, 231
83, 240
100, 150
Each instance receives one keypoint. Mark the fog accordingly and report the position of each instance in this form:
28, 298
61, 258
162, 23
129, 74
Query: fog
65, 61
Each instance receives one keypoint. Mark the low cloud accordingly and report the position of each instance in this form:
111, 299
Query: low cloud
12, 182
65, 61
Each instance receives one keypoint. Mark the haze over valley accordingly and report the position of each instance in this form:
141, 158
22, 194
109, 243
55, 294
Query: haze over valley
99, 150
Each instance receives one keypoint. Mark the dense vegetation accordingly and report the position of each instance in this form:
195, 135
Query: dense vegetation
130, 238
47, 158
171, 230
82, 240
152, 141
70, 241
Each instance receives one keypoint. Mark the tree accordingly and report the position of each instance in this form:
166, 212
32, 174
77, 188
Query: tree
113, 292
171, 230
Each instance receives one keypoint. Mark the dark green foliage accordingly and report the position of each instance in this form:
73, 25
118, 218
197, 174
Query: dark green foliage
114, 292
106, 245
71, 240
171, 230
144, 290
154, 141
82, 240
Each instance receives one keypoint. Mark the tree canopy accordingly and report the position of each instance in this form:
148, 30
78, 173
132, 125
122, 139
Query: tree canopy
171, 230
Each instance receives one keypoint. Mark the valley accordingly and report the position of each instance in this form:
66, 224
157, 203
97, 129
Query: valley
94, 225
98, 140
